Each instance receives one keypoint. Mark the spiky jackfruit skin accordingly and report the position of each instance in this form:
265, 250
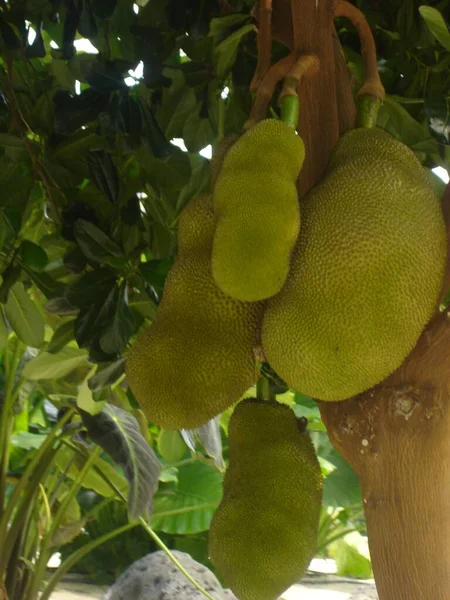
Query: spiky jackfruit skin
366, 274
257, 211
196, 358
263, 534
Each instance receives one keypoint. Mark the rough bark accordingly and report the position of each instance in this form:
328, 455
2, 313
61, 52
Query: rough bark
395, 436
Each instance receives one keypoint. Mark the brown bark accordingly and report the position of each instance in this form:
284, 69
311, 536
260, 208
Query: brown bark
396, 436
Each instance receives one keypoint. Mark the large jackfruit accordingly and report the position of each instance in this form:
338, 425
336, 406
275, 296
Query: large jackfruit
366, 274
257, 211
263, 534
196, 358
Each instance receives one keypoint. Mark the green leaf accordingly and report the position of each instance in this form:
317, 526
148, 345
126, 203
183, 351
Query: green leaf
33, 256
399, 123
95, 244
11, 141
121, 325
118, 433
46, 283
171, 446
104, 173
54, 366
197, 132
107, 376
24, 317
189, 506
86, 401
436, 24
437, 109
61, 337
71, 465
225, 53
351, 554
341, 487
3, 331
220, 25
91, 288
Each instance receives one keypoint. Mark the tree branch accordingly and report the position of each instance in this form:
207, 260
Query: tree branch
372, 85
264, 43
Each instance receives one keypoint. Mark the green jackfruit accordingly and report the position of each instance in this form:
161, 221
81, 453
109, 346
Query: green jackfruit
263, 534
366, 274
196, 358
257, 211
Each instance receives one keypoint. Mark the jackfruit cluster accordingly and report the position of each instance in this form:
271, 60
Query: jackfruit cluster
196, 358
257, 211
366, 274
263, 534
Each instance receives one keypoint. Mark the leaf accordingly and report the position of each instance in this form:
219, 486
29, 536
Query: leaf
11, 141
86, 401
91, 288
92, 480
224, 55
54, 366
197, 132
95, 244
188, 507
341, 487
61, 337
117, 432
210, 438
33, 256
399, 123
3, 331
104, 173
351, 554
437, 109
107, 376
436, 24
27, 440
24, 317
46, 283
121, 326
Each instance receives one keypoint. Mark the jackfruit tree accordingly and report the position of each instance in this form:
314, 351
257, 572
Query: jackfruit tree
205, 206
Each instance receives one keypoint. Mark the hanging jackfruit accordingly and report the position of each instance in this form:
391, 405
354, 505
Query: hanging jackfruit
257, 211
196, 358
263, 534
366, 273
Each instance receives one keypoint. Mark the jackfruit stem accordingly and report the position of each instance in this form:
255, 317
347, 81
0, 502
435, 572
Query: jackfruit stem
372, 85
289, 102
263, 390
267, 88
290, 110
264, 40
367, 108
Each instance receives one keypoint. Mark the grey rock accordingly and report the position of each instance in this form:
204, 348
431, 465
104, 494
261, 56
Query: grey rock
155, 577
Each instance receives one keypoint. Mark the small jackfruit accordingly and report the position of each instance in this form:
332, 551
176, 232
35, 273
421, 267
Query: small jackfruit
196, 358
263, 534
257, 211
366, 273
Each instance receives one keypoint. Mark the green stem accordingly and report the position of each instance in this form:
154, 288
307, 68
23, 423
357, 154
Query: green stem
45, 552
6, 419
367, 108
220, 118
290, 110
263, 391
79, 554
27, 480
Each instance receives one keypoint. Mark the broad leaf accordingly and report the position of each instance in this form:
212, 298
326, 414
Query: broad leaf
54, 366
210, 438
24, 317
107, 376
61, 337
117, 432
436, 25
94, 242
225, 53
189, 506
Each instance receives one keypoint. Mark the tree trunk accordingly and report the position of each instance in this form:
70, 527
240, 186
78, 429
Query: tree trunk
397, 435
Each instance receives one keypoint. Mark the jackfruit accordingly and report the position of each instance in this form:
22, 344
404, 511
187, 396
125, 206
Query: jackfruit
263, 534
366, 274
196, 358
257, 211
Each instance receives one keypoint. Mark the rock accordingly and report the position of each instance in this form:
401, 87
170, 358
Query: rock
155, 577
